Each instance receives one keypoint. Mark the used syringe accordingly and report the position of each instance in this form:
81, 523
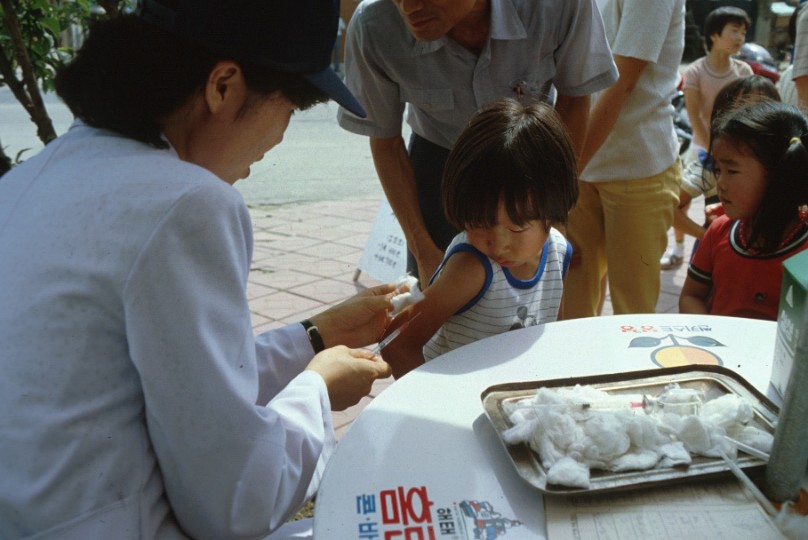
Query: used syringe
393, 335
682, 401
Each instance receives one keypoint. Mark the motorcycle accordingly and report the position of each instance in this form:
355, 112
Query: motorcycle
760, 60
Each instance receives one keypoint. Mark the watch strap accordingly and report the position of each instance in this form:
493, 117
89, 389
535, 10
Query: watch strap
315, 338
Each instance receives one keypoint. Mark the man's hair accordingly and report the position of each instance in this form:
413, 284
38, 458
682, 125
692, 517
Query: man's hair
776, 135
718, 18
130, 75
519, 154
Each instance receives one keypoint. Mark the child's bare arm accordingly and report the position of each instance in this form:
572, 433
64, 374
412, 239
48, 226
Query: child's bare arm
682, 221
693, 298
460, 280
701, 129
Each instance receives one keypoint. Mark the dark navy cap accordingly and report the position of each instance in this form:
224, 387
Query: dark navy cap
290, 36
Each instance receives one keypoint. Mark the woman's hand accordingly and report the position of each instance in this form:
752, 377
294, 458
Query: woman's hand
348, 374
359, 320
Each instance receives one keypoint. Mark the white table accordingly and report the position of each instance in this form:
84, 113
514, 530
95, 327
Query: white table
426, 438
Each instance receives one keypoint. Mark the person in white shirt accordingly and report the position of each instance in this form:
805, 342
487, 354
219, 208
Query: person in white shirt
630, 164
799, 72
137, 402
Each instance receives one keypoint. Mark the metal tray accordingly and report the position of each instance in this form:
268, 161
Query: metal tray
713, 381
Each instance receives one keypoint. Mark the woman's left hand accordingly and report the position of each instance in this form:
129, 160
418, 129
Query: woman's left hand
357, 321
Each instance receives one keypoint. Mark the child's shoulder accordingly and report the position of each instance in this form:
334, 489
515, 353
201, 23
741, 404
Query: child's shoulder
557, 239
721, 223
720, 228
695, 68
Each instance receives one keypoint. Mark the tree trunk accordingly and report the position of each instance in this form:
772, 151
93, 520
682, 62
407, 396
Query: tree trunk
30, 96
5, 161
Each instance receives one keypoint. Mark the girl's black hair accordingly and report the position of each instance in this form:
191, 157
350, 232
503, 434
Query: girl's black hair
739, 92
776, 135
520, 154
130, 75
743, 91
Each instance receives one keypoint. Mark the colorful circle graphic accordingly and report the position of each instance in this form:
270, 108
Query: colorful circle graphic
683, 355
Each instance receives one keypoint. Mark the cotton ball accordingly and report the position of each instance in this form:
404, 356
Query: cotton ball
642, 431
583, 394
413, 295
552, 436
674, 454
568, 472
695, 435
726, 410
705, 438
607, 435
520, 432
670, 424
562, 429
547, 450
521, 411
754, 437
638, 460
400, 301
545, 396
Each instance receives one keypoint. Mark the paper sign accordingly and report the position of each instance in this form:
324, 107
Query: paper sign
385, 254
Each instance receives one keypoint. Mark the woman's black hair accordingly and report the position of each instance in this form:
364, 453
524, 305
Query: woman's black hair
776, 135
129, 76
519, 154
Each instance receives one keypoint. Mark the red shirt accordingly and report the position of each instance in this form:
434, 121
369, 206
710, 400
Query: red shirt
743, 284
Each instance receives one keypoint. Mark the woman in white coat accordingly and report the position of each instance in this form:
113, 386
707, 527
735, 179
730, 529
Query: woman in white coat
137, 403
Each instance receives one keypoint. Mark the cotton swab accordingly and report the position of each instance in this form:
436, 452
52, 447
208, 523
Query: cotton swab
751, 450
741, 476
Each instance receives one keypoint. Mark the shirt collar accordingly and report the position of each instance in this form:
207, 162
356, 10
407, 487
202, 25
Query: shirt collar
505, 25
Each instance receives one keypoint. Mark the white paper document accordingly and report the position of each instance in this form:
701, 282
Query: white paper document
719, 509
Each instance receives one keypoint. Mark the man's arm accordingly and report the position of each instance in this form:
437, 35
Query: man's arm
398, 181
608, 106
800, 70
701, 128
801, 83
574, 111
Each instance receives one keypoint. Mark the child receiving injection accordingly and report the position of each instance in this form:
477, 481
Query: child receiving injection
760, 157
509, 177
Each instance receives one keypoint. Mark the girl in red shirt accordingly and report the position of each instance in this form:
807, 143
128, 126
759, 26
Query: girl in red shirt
761, 158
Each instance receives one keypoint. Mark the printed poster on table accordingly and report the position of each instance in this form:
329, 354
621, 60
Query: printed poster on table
411, 513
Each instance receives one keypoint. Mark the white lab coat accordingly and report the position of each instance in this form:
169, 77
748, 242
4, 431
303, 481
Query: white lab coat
136, 401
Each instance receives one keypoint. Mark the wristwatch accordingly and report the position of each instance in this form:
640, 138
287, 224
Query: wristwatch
314, 336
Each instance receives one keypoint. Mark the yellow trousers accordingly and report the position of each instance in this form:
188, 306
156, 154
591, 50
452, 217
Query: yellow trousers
619, 228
